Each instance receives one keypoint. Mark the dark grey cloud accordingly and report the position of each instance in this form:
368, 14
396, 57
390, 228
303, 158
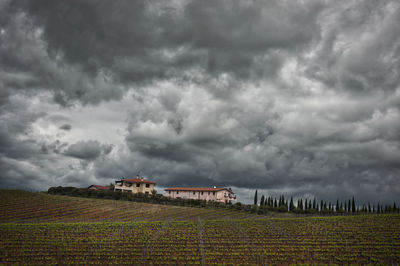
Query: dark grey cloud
87, 150
66, 127
140, 41
298, 98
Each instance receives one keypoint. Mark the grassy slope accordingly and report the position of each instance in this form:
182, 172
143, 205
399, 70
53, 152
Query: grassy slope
26, 207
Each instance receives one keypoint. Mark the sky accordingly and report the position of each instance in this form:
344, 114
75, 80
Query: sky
300, 98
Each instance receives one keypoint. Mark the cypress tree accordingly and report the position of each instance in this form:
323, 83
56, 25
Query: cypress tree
255, 198
291, 205
349, 206
275, 203
306, 205
369, 207
353, 205
262, 201
309, 205
337, 205
322, 205
314, 204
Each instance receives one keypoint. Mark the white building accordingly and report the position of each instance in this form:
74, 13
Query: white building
215, 194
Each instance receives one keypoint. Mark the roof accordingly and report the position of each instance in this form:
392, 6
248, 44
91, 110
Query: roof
197, 189
100, 187
138, 180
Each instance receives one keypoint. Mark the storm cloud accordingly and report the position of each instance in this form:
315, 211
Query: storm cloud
295, 98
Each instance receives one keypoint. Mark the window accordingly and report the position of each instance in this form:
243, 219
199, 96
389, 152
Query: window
146, 192
224, 194
147, 185
202, 193
214, 193
169, 192
208, 192
177, 192
194, 192
137, 184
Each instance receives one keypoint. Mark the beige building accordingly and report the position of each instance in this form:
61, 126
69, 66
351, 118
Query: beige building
215, 194
135, 185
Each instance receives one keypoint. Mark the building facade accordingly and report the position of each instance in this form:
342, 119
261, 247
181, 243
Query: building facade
225, 195
135, 185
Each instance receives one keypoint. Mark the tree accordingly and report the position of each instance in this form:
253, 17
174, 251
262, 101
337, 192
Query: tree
337, 205
255, 198
291, 204
353, 205
262, 201
314, 204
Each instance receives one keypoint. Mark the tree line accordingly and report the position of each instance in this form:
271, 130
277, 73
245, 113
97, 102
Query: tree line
313, 206
265, 205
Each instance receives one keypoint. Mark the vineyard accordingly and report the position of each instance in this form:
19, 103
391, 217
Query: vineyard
27, 207
361, 239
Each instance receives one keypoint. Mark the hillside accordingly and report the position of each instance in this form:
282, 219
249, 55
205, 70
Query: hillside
27, 207
37, 228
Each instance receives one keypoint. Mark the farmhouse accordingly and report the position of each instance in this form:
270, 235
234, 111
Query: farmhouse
97, 187
215, 194
134, 185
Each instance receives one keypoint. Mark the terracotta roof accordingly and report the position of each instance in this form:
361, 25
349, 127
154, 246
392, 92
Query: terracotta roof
138, 180
100, 187
196, 189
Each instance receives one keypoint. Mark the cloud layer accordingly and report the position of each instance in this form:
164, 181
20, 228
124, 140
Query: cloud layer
295, 98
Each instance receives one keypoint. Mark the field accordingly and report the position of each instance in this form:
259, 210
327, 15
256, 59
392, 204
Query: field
362, 239
26, 207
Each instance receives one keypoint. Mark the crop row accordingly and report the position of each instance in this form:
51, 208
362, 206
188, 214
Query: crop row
26, 207
369, 239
